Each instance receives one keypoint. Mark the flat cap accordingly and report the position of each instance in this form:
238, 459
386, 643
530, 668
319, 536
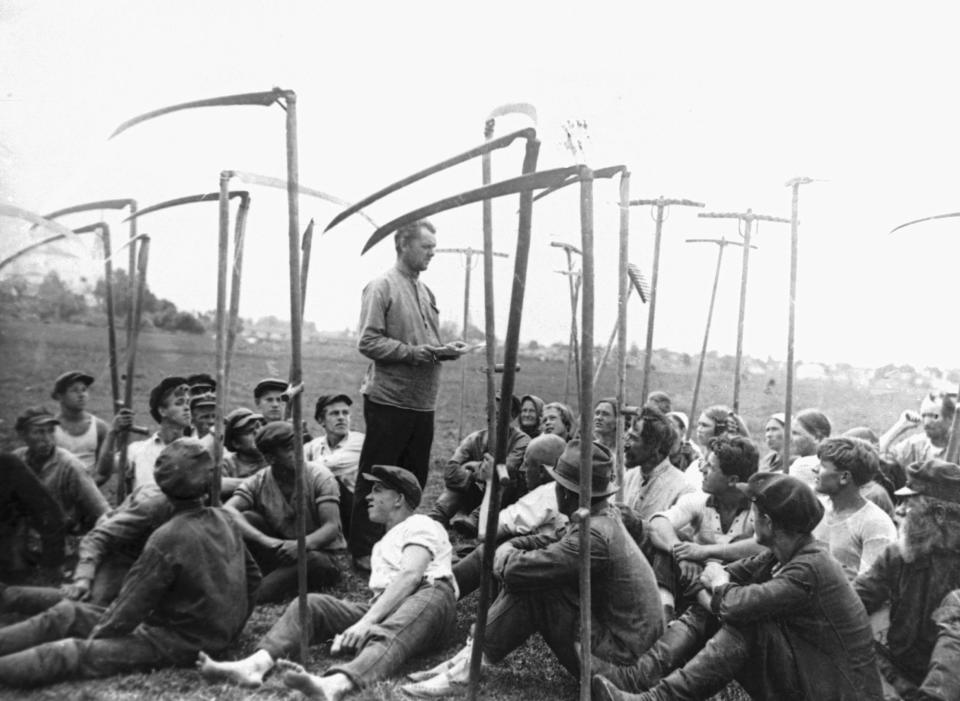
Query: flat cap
934, 478
35, 416
399, 480
183, 469
159, 393
208, 400
201, 383
276, 434
325, 400
235, 422
61, 384
271, 384
789, 501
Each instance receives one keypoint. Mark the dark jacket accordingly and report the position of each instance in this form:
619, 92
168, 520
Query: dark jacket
923, 607
817, 613
460, 478
191, 589
627, 615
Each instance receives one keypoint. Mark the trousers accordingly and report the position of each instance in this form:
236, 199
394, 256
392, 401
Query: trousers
394, 436
424, 620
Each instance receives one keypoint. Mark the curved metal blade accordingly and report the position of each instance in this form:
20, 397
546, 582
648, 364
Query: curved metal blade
51, 239
188, 199
128, 242
524, 108
264, 99
918, 221
523, 183
486, 147
89, 206
607, 172
281, 184
9, 210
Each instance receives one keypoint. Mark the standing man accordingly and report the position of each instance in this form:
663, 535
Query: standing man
79, 431
400, 333
338, 449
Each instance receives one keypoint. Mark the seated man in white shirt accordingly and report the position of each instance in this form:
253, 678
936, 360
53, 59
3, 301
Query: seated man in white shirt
413, 606
534, 512
855, 529
338, 449
719, 516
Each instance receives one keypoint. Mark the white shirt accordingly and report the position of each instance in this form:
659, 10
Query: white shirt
418, 529
141, 458
343, 460
83, 447
697, 511
806, 470
534, 512
857, 539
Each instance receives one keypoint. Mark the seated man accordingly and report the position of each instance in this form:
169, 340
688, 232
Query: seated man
919, 578
191, 588
79, 431
62, 474
413, 608
241, 458
533, 513
464, 478
720, 517
26, 504
855, 530
790, 625
935, 417
106, 554
651, 483
269, 400
539, 579
170, 408
338, 449
265, 509
203, 416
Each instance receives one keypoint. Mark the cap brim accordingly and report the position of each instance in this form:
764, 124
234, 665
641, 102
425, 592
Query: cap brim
906, 492
575, 487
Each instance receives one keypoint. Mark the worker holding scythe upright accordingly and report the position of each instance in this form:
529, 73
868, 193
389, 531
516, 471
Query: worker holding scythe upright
400, 333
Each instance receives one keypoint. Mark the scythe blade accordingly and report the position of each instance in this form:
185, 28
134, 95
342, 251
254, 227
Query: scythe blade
607, 172
281, 184
264, 99
486, 147
188, 199
90, 206
524, 108
523, 183
918, 221
9, 210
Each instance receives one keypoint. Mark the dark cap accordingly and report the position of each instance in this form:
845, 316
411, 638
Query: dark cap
203, 400
271, 384
934, 478
35, 416
399, 480
68, 378
201, 383
603, 482
325, 400
183, 469
236, 421
276, 434
159, 393
790, 502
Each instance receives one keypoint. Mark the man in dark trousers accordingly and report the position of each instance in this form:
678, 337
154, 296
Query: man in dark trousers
400, 333
191, 589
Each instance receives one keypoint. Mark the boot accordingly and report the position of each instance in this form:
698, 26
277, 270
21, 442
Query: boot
678, 642
706, 674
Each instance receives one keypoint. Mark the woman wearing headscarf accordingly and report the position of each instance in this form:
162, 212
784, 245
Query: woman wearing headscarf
773, 432
531, 414
810, 428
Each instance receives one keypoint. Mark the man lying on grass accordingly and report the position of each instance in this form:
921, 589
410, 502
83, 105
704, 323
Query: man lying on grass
413, 608
192, 588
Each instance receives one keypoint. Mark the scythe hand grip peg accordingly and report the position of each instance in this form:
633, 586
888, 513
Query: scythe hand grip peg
291, 391
580, 515
498, 369
631, 410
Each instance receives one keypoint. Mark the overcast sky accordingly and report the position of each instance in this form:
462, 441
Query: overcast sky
715, 102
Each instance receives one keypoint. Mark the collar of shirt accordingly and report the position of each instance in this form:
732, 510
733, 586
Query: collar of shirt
657, 471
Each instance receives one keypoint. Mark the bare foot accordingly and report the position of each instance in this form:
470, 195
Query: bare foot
306, 683
247, 672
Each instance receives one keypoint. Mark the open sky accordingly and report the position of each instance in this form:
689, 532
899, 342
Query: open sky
715, 102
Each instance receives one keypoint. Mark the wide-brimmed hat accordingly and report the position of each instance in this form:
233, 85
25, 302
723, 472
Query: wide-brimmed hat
603, 481
934, 478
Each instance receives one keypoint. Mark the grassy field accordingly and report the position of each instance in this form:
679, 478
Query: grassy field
34, 354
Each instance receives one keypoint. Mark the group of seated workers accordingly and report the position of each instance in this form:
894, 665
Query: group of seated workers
833, 574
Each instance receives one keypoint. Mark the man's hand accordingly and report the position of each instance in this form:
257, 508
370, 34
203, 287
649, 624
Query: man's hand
714, 575
689, 572
287, 552
79, 590
353, 637
909, 418
122, 420
500, 558
485, 468
689, 551
424, 355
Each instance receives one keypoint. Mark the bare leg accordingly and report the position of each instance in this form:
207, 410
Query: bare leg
246, 672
